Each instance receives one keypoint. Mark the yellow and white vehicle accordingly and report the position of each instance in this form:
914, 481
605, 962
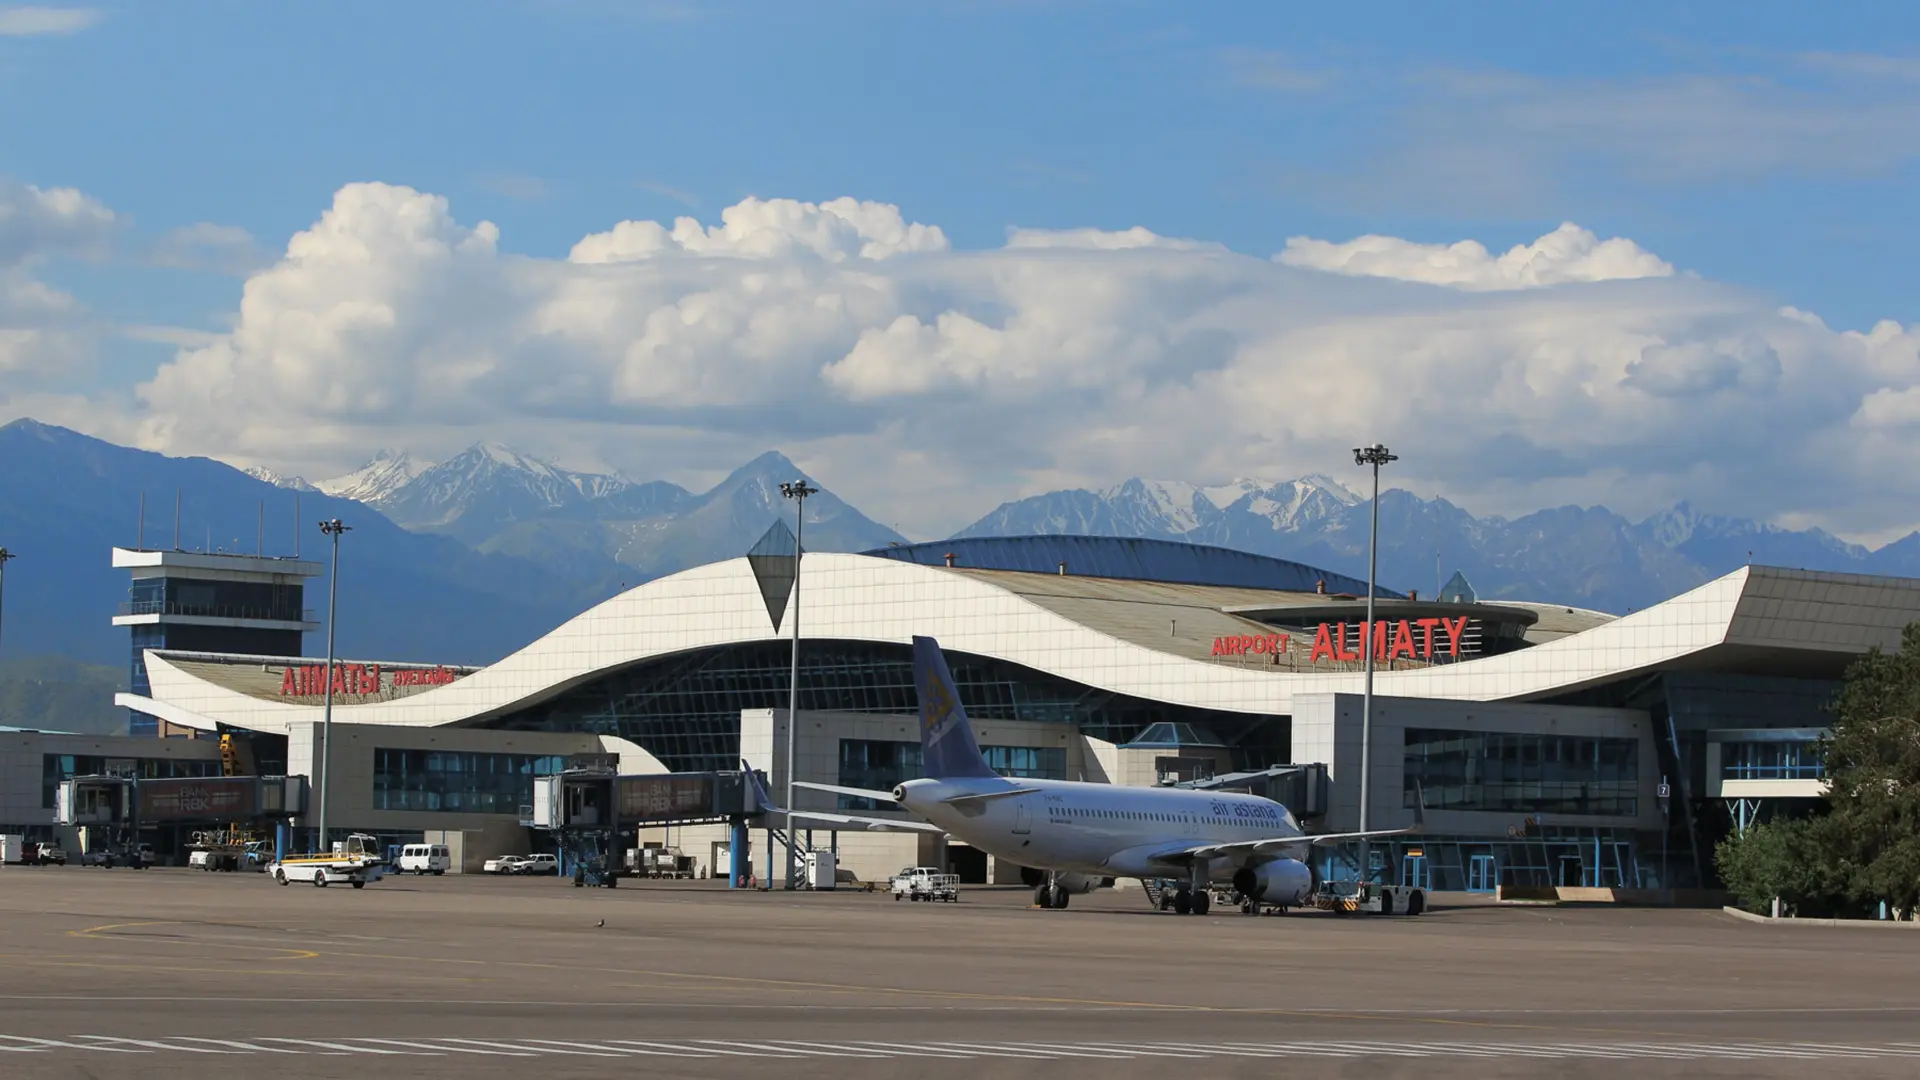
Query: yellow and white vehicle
355, 862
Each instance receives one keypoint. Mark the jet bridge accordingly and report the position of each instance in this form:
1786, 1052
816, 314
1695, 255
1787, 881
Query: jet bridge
593, 812
115, 810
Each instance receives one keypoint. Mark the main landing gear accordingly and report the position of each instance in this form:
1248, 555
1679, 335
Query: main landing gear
1051, 894
1186, 901
1192, 898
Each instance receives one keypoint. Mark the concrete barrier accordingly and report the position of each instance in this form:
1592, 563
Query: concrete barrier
1703, 898
1888, 924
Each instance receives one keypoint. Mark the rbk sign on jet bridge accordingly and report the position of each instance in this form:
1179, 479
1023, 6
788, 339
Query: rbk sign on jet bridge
1415, 639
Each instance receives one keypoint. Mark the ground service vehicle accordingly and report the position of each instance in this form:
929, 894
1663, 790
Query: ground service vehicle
926, 883
1374, 899
228, 851
432, 859
356, 862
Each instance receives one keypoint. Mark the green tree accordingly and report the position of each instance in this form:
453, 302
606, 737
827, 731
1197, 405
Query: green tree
1873, 772
1789, 859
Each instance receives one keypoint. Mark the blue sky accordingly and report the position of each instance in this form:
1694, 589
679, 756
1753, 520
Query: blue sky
1768, 148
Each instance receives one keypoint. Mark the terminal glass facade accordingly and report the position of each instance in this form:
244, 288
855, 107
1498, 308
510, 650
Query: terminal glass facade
457, 782
1771, 761
55, 768
685, 709
1558, 856
1522, 773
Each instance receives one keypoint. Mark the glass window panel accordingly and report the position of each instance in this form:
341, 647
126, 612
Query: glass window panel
472, 783
1514, 773
685, 709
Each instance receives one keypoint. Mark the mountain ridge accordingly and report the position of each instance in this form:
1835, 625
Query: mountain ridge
464, 559
598, 530
1587, 556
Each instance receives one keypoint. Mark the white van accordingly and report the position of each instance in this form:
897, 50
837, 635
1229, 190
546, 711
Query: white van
424, 859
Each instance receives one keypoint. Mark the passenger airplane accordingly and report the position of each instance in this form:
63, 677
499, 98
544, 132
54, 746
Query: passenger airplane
1079, 833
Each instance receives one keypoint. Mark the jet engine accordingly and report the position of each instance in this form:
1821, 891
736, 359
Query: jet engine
1286, 882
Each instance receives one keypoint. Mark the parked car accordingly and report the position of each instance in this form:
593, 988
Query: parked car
503, 864
539, 864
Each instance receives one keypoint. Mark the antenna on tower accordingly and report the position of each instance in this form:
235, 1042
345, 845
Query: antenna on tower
140, 531
176, 519
260, 538
296, 524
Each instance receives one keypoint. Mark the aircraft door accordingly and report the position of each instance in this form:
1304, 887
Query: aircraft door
1022, 816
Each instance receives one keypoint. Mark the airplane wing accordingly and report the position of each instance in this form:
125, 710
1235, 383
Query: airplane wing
870, 824
856, 792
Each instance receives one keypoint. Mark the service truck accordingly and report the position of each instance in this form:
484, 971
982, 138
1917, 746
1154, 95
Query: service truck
356, 862
1372, 898
926, 883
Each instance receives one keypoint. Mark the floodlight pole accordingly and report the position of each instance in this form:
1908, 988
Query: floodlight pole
5, 558
332, 528
1376, 456
798, 491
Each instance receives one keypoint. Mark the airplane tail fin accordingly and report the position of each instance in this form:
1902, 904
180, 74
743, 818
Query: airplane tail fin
946, 736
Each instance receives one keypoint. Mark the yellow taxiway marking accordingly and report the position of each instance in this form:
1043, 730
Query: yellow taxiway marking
99, 933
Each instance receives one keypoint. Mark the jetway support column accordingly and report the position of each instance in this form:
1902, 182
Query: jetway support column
282, 838
738, 867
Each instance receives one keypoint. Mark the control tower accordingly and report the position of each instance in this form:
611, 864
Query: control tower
199, 602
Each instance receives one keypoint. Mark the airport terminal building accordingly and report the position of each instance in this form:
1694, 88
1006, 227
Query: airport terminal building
1551, 745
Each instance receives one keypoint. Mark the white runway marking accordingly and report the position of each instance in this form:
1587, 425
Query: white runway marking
876, 1050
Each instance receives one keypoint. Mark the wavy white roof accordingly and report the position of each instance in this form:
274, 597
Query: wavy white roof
1756, 618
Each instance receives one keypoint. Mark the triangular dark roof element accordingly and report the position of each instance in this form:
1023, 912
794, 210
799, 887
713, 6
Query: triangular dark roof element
1458, 590
775, 562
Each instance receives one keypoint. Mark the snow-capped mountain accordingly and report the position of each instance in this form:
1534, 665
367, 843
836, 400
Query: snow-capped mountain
67, 497
489, 487
374, 481
599, 530
1587, 556
1175, 510
291, 483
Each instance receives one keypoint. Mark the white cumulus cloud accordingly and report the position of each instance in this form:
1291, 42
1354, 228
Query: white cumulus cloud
1102, 240
43, 221
771, 229
929, 388
43, 331
1567, 254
